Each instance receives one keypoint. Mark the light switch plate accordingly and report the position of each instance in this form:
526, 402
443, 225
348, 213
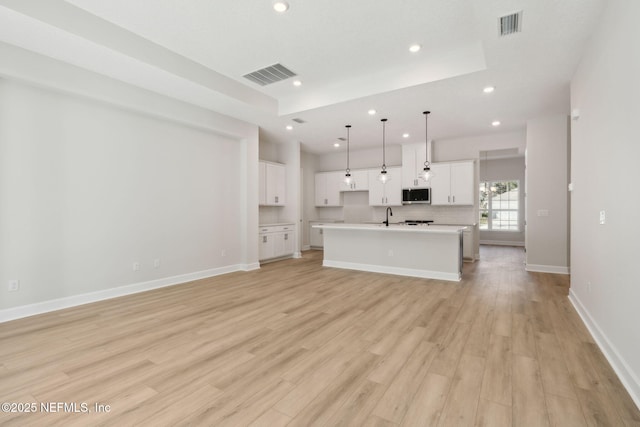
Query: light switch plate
603, 217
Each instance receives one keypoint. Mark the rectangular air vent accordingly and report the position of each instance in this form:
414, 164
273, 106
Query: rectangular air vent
299, 120
510, 24
271, 74
342, 139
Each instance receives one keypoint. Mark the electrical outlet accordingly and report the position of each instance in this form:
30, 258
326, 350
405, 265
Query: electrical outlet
390, 252
156, 263
589, 287
14, 285
603, 217
223, 253
136, 266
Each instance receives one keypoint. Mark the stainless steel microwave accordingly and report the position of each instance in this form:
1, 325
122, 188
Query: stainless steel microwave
416, 195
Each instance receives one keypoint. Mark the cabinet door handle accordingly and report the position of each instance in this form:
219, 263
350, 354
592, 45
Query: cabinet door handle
325, 201
448, 199
276, 199
321, 231
286, 236
264, 239
454, 199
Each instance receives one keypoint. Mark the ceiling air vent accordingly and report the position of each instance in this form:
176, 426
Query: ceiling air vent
510, 24
271, 74
299, 120
342, 139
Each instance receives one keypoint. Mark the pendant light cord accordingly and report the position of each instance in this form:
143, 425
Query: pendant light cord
426, 138
384, 162
348, 127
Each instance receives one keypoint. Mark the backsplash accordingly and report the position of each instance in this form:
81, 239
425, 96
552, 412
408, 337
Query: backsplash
356, 209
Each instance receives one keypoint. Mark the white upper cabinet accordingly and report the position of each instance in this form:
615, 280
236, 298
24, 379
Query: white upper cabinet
272, 184
413, 158
328, 186
360, 181
389, 194
452, 183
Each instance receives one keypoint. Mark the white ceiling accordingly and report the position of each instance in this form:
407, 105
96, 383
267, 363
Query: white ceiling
351, 56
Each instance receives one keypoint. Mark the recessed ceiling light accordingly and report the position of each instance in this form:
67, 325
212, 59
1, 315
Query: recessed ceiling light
495, 123
414, 48
337, 144
488, 89
372, 112
280, 6
289, 127
405, 135
297, 83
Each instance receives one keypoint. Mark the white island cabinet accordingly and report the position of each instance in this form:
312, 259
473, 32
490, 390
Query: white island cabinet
429, 251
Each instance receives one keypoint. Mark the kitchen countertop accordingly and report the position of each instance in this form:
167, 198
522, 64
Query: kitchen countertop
423, 228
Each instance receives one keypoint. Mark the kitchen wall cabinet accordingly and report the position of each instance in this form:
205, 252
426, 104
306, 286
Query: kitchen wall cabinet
276, 241
452, 183
328, 188
272, 184
413, 157
389, 194
360, 181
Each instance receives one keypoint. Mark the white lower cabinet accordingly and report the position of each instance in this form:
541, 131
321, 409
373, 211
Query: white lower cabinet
276, 241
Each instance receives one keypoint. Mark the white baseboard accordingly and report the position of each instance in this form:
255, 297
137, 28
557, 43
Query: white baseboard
426, 274
306, 247
501, 243
557, 269
628, 378
19, 312
250, 267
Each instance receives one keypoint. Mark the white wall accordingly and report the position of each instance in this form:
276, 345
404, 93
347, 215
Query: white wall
469, 147
360, 159
96, 174
309, 164
500, 170
547, 195
605, 152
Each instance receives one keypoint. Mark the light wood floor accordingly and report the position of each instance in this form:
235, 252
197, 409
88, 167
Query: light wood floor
297, 344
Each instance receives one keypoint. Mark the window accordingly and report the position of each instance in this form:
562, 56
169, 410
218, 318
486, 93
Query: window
499, 202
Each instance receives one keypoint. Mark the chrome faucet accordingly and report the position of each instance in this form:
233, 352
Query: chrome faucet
389, 212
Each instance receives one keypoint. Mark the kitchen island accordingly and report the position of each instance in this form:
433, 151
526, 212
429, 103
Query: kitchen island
428, 251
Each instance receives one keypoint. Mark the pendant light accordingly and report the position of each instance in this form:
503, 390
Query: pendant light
384, 176
426, 173
348, 179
